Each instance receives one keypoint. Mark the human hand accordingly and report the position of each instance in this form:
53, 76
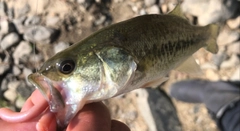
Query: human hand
35, 115
215, 95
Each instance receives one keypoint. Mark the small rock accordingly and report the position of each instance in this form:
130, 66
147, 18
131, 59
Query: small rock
4, 85
24, 90
19, 24
22, 49
196, 7
81, 1
9, 40
234, 23
218, 58
9, 77
5, 64
212, 75
10, 95
40, 34
100, 20
60, 46
52, 21
3, 8
227, 36
16, 70
149, 3
32, 20
20, 102
153, 10
4, 67
4, 27
236, 75
13, 85
232, 62
208, 65
40, 6
23, 11
10, 13
36, 58
234, 48
142, 12
26, 72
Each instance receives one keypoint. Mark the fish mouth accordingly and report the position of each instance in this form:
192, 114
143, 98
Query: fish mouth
54, 93
49, 90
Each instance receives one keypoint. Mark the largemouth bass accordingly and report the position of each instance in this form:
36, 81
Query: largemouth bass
132, 54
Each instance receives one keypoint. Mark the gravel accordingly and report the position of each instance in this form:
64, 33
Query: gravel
53, 26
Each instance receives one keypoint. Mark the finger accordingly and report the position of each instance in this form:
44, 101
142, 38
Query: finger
29, 112
118, 126
93, 117
47, 122
34, 99
189, 91
25, 126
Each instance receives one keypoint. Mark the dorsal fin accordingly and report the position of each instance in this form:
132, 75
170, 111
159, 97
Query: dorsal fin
177, 11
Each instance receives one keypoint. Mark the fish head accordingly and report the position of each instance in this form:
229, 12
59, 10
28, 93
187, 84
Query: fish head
70, 79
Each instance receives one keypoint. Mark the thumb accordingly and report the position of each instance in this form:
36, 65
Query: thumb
189, 91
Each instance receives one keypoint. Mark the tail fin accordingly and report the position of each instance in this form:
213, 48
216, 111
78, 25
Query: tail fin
211, 43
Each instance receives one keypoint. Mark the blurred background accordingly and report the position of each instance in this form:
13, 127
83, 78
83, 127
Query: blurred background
31, 31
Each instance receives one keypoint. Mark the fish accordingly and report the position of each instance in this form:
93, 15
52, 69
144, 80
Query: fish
119, 58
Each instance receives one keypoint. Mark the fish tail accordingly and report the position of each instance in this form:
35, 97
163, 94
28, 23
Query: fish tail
211, 42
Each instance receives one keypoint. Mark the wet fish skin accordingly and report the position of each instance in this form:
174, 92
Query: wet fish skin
119, 58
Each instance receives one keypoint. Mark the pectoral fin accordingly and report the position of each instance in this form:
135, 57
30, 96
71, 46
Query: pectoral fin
155, 82
190, 67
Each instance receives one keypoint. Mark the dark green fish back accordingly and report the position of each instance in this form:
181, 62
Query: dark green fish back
154, 40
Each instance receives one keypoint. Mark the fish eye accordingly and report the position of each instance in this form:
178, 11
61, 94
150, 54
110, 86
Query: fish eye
66, 66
